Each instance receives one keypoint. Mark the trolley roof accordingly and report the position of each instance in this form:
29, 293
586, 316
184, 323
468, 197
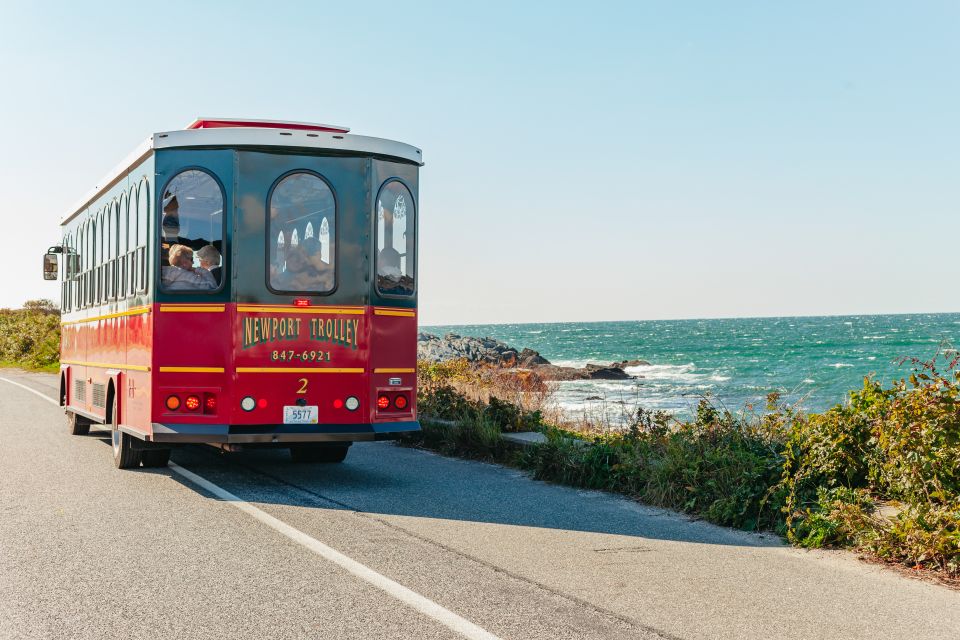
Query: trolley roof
247, 132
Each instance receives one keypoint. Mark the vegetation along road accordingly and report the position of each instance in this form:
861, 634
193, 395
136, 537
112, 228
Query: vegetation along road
393, 543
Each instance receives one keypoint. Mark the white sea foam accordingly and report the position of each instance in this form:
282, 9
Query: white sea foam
808, 381
838, 365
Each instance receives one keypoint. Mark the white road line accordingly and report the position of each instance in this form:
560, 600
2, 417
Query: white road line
411, 598
424, 605
33, 391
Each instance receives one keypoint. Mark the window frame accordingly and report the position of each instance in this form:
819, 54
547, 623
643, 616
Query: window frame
158, 213
416, 243
269, 233
141, 283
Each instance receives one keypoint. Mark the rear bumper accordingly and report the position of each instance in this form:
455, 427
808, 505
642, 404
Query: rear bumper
247, 434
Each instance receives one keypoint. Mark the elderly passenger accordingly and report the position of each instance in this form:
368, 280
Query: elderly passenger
181, 274
210, 260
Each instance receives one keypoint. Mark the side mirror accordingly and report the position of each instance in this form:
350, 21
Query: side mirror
50, 266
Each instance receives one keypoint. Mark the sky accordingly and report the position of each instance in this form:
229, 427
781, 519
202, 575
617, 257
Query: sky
584, 161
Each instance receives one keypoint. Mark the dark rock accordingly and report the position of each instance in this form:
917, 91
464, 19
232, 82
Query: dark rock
609, 373
487, 350
530, 358
623, 364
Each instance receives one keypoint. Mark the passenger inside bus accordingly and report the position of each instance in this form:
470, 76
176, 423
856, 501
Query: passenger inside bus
306, 269
182, 275
210, 260
170, 228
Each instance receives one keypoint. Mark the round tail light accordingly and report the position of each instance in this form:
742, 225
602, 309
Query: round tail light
400, 402
192, 403
352, 403
173, 403
248, 404
383, 402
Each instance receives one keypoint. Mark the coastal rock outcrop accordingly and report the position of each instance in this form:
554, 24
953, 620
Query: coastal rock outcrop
489, 351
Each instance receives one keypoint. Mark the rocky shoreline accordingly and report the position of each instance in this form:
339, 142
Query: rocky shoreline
452, 346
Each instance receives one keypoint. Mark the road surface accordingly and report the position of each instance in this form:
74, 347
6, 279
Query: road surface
393, 543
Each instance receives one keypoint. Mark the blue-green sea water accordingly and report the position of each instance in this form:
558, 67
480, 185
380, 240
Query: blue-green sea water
815, 361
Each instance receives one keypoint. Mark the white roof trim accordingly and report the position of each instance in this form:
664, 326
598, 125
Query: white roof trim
249, 136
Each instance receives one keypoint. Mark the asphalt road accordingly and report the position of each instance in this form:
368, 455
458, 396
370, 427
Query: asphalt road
393, 543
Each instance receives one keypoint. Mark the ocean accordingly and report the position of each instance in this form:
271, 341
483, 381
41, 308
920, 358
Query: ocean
812, 361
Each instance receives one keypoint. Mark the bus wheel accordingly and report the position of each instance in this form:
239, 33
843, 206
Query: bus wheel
155, 457
124, 455
319, 452
77, 425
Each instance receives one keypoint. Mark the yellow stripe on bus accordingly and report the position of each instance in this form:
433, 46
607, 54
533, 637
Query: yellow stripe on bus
386, 312
130, 312
104, 365
191, 369
296, 370
191, 309
382, 370
333, 310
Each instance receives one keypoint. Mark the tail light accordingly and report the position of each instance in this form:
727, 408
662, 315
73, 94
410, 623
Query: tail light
192, 403
209, 403
338, 404
173, 403
400, 402
383, 402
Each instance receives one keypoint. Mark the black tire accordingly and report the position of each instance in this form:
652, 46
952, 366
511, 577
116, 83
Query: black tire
331, 453
77, 425
155, 457
124, 455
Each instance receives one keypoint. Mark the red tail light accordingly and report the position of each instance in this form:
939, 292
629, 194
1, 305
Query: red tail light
209, 403
383, 402
400, 402
301, 302
338, 404
192, 403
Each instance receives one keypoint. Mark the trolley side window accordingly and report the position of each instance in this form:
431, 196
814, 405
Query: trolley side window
302, 235
396, 240
191, 233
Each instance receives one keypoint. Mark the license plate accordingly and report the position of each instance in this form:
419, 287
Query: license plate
299, 415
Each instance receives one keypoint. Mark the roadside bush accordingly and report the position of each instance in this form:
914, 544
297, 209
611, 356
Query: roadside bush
30, 337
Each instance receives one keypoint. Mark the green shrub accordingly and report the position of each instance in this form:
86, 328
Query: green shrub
30, 337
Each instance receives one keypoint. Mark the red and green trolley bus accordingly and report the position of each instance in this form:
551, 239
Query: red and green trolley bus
243, 283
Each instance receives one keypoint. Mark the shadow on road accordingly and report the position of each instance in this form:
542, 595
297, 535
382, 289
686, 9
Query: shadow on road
382, 478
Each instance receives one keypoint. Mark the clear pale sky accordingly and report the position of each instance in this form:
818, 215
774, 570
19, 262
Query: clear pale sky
585, 161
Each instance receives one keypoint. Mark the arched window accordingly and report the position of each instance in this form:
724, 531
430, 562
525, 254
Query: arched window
191, 233
143, 212
122, 226
132, 219
302, 200
143, 225
396, 239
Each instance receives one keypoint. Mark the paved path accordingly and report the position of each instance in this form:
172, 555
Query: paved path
394, 543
